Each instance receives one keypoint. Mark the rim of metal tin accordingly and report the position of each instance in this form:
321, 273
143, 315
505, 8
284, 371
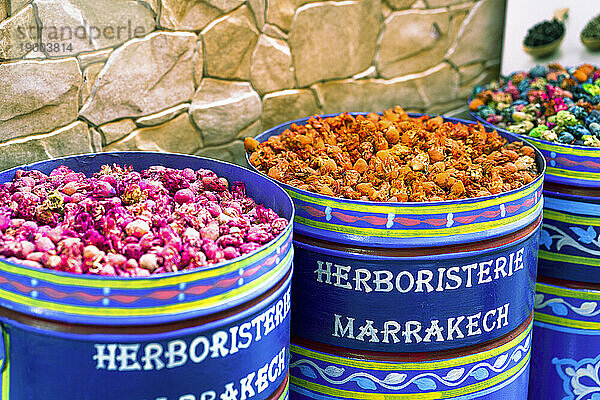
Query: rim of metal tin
559, 148
418, 240
147, 319
159, 332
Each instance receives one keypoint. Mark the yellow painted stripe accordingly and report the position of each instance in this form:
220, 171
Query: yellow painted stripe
587, 176
135, 312
550, 256
411, 232
569, 323
6, 371
420, 396
594, 153
391, 366
570, 218
140, 283
421, 210
582, 294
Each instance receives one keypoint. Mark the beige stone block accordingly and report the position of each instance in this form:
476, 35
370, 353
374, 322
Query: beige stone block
221, 109
74, 138
114, 131
480, 36
439, 84
287, 105
271, 66
228, 45
86, 59
251, 130
274, 32
192, 15
90, 73
233, 152
18, 34
175, 136
413, 41
37, 96
163, 116
17, 5
83, 25
349, 29
368, 95
142, 77
259, 9
400, 4
198, 63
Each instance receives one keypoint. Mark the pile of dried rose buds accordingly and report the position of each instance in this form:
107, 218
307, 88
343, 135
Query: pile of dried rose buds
126, 223
395, 158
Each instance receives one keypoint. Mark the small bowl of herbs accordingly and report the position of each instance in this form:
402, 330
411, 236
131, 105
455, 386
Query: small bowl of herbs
590, 35
545, 37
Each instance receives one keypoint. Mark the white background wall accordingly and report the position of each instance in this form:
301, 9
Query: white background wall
523, 14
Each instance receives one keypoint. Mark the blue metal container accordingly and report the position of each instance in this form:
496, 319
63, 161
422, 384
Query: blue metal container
569, 246
497, 371
577, 166
200, 334
565, 361
413, 277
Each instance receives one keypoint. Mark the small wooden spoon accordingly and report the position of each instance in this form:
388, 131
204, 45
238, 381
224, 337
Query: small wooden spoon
540, 51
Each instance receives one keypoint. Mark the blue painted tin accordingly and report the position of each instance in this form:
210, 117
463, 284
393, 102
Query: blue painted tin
411, 300
569, 246
201, 334
565, 361
413, 277
572, 165
497, 371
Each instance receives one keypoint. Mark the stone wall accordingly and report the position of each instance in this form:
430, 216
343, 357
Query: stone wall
197, 76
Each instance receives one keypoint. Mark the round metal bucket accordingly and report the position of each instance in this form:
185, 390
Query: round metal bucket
199, 334
413, 277
577, 166
565, 362
569, 246
496, 371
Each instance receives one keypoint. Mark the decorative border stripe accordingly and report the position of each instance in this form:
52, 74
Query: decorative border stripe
564, 149
421, 396
461, 229
142, 283
566, 322
552, 203
566, 173
583, 294
153, 310
567, 258
572, 331
415, 366
422, 210
570, 218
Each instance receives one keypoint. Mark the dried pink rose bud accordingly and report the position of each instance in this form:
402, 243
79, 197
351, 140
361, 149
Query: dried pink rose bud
149, 261
210, 231
184, 196
44, 244
137, 228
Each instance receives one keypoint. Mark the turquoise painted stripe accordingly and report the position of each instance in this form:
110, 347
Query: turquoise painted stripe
575, 331
570, 206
